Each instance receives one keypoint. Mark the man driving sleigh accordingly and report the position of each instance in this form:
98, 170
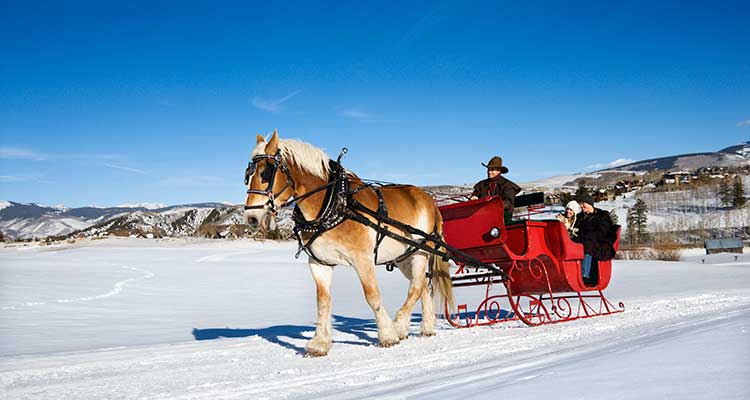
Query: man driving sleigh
497, 185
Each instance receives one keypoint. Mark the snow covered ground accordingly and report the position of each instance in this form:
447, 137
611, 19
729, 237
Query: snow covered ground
197, 319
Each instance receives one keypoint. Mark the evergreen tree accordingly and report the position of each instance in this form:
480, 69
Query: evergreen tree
615, 218
738, 192
637, 221
725, 193
630, 222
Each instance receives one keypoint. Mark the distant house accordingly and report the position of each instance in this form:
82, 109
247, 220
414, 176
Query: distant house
677, 178
723, 246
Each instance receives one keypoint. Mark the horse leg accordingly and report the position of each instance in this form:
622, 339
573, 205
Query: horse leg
321, 342
415, 271
428, 314
386, 333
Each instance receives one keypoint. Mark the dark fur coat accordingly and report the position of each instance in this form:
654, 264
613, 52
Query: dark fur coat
595, 232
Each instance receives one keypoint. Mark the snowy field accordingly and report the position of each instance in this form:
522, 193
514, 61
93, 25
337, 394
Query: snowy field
192, 319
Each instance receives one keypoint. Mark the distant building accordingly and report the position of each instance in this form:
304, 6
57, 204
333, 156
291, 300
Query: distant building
723, 246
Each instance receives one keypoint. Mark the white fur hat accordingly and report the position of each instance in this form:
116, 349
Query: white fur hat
573, 205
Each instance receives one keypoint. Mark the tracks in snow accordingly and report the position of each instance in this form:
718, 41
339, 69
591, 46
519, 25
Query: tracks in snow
419, 367
423, 368
116, 289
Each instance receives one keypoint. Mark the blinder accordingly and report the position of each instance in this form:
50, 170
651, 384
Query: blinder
269, 175
249, 171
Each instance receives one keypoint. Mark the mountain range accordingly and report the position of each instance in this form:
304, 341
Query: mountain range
733, 156
29, 221
736, 156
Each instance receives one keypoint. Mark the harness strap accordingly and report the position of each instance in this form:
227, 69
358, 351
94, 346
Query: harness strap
330, 215
382, 214
340, 205
449, 253
307, 247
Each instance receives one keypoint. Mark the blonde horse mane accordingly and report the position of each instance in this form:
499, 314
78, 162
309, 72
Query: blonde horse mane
304, 155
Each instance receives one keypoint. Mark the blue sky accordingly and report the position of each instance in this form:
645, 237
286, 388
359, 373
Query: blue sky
161, 103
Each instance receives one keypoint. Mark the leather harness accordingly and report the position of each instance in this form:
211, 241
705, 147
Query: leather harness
340, 205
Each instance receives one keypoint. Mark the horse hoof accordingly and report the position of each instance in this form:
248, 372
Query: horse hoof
313, 354
316, 349
428, 334
388, 343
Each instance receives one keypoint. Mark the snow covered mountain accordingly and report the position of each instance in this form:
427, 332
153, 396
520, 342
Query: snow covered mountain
150, 206
28, 221
733, 156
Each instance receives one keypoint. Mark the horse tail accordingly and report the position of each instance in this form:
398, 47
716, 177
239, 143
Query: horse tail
441, 276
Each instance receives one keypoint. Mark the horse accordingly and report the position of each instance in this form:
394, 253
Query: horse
281, 171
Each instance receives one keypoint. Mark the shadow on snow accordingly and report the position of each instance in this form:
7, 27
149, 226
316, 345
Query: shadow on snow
283, 335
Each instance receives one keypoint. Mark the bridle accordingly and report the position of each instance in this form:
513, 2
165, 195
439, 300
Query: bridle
279, 163
270, 170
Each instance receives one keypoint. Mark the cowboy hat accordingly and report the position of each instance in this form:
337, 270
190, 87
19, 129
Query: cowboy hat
496, 163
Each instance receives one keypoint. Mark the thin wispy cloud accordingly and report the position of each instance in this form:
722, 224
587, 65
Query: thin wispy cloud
744, 123
124, 168
38, 178
17, 153
355, 114
10, 178
615, 163
361, 115
13, 153
97, 158
273, 105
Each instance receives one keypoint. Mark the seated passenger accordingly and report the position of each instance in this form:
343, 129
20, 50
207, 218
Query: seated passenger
568, 217
594, 227
497, 185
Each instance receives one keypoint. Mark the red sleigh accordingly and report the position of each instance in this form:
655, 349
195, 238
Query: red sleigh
543, 266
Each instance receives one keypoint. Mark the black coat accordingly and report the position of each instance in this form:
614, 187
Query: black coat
498, 186
595, 232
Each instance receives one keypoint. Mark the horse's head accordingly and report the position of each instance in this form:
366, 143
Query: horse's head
269, 182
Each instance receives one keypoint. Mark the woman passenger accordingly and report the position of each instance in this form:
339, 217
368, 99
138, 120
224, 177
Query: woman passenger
568, 217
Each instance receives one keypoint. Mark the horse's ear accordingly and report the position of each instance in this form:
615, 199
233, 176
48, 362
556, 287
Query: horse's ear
273, 145
259, 139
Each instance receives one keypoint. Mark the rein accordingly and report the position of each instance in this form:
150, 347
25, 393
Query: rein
340, 205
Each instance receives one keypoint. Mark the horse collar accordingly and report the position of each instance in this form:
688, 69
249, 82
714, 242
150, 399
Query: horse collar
331, 212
